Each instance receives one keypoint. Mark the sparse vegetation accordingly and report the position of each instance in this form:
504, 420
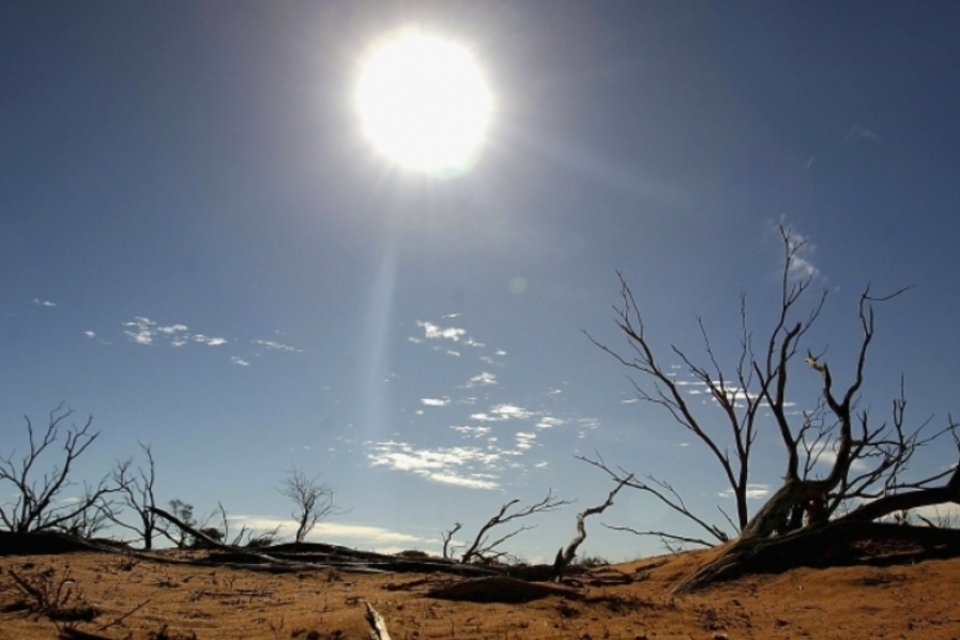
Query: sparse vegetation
53, 593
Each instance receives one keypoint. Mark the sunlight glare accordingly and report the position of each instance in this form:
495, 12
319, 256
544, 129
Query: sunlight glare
424, 103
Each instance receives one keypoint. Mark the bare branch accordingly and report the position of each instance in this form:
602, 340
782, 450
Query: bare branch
38, 503
662, 491
482, 548
566, 555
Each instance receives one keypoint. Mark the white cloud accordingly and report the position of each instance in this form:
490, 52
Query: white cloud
90, 334
461, 466
484, 379
524, 440
434, 332
140, 330
435, 402
143, 330
324, 531
754, 492
549, 422
44, 303
474, 432
502, 412
174, 328
277, 346
240, 362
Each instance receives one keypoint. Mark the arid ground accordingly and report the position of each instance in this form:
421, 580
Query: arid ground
120, 596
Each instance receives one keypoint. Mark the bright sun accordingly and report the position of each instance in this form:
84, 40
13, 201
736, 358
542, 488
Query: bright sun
424, 102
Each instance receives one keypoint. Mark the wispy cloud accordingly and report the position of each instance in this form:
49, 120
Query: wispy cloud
501, 412
323, 531
802, 266
435, 402
483, 379
44, 303
858, 132
754, 492
549, 422
470, 467
92, 335
143, 330
277, 346
524, 440
434, 332
472, 432
240, 362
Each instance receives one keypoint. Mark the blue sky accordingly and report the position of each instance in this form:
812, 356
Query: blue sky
199, 248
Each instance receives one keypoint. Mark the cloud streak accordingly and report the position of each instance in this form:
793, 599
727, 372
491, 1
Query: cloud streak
144, 331
469, 467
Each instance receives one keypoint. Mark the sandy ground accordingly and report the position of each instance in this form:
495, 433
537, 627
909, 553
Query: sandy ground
140, 599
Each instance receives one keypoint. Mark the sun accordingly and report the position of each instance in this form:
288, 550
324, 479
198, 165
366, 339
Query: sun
424, 102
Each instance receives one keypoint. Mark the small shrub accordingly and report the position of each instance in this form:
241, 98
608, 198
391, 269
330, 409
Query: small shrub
53, 594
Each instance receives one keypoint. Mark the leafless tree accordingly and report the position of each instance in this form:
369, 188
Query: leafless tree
39, 502
313, 500
138, 496
867, 462
483, 549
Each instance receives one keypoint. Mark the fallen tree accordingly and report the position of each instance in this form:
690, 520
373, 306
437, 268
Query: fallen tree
844, 472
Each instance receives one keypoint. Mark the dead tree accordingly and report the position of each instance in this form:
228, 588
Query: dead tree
566, 554
865, 478
38, 502
313, 500
138, 496
483, 549
740, 394
447, 537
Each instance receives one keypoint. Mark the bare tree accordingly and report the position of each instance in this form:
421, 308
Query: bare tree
866, 462
39, 502
138, 496
483, 549
313, 500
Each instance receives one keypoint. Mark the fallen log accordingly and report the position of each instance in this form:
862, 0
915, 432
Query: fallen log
500, 589
837, 543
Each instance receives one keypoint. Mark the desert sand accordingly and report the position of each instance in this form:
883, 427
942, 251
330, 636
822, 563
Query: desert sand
128, 597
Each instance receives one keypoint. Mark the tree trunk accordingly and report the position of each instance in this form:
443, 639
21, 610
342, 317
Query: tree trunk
839, 543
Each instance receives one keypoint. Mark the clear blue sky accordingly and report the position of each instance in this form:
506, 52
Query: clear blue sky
198, 247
